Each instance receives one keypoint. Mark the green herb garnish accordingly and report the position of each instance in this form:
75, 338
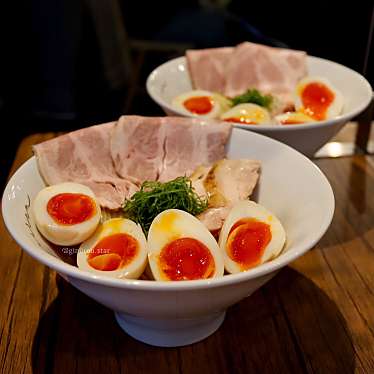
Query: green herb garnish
253, 96
155, 197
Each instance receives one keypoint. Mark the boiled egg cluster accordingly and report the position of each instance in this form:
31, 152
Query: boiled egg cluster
200, 103
205, 104
66, 213
314, 99
179, 246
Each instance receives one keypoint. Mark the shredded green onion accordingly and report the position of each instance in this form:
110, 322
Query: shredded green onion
155, 197
253, 96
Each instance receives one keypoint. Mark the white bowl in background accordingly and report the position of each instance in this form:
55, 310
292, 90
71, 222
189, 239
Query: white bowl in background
172, 79
180, 313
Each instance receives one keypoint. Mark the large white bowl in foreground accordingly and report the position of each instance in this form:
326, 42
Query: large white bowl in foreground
172, 78
179, 313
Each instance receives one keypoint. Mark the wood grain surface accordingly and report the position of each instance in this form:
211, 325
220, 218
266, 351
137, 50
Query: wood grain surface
315, 316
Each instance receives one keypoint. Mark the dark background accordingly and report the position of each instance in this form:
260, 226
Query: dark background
66, 64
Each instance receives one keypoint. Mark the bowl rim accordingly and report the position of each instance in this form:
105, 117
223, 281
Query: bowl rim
62, 267
259, 128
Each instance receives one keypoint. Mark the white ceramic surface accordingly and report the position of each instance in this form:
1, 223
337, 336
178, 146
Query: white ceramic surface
172, 78
180, 313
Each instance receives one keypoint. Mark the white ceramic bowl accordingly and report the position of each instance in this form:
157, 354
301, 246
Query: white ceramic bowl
172, 78
179, 313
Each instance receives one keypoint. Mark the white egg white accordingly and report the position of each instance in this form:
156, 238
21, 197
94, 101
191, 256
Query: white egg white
254, 113
133, 269
173, 224
252, 210
218, 103
334, 109
61, 234
293, 118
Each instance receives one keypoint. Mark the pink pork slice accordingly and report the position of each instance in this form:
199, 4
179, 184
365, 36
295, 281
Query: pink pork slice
227, 182
84, 157
207, 68
137, 147
163, 148
270, 70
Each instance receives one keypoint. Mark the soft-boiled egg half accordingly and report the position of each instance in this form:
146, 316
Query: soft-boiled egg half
250, 236
247, 114
117, 249
316, 97
66, 213
200, 103
293, 118
182, 248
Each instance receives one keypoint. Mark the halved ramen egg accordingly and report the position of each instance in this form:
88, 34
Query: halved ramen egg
250, 236
247, 114
66, 213
293, 118
199, 103
117, 249
182, 248
317, 97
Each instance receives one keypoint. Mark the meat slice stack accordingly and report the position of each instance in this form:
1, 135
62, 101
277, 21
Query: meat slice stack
114, 158
231, 71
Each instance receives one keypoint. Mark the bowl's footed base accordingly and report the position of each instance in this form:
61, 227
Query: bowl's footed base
170, 333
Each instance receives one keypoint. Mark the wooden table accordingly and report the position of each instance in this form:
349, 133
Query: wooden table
316, 315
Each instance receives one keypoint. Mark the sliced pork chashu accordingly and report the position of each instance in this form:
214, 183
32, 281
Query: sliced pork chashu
114, 158
224, 183
231, 71
83, 156
164, 148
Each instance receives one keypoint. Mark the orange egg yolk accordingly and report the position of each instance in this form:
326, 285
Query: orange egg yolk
113, 252
247, 241
186, 259
316, 98
199, 104
71, 208
243, 120
290, 121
